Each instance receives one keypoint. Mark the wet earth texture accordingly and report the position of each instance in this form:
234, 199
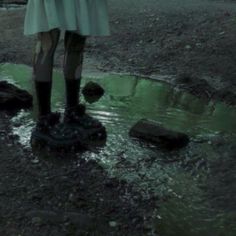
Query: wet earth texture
126, 187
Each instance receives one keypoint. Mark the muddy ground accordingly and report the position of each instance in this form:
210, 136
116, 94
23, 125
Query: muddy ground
192, 41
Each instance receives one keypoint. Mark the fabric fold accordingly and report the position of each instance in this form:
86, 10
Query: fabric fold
87, 17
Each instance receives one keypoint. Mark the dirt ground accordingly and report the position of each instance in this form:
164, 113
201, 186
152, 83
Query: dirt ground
193, 41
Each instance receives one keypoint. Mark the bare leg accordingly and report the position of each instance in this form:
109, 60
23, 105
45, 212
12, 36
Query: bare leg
43, 68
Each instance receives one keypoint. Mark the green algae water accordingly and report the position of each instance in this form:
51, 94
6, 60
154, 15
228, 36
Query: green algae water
180, 180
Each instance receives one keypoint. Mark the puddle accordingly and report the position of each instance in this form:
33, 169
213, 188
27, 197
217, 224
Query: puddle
186, 210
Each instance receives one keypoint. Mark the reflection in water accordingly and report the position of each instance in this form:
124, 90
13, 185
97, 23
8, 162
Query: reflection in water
156, 174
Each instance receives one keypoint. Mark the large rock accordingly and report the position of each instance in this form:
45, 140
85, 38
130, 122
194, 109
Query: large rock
153, 132
12, 97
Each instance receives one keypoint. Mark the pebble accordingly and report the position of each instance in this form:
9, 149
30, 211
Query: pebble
35, 161
36, 221
71, 197
188, 47
113, 224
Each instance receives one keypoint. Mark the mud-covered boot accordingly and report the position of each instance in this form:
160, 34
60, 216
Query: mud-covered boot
77, 117
50, 132
42, 133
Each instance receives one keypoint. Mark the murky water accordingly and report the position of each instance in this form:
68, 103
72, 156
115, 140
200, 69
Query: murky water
178, 179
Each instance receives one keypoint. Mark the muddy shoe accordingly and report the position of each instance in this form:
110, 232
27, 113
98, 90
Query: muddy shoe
50, 132
77, 118
47, 122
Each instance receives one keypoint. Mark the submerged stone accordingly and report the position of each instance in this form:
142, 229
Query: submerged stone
12, 97
153, 132
92, 92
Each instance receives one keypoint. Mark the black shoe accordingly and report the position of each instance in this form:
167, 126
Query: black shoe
77, 118
47, 122
50, 132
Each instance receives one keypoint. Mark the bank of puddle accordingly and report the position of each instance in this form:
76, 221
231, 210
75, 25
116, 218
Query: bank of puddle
177, 177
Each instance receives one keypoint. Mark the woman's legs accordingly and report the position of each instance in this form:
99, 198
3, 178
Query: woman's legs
43, 68
73, 61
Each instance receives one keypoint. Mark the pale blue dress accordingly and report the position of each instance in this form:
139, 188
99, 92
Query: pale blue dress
87, 17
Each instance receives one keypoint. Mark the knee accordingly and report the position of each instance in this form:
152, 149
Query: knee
47, 42
74, 42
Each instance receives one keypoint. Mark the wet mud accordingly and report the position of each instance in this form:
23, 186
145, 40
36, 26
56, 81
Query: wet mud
147, 189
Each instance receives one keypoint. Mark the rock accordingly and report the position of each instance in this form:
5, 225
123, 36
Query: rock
153, 132
12, 98
188, 47
92, 92
35, 161
113, 224
36, 221
45, 217
39, 217
196, 86
82, 221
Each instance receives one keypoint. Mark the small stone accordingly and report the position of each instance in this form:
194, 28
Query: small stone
113, 224
36, 221
35, 161
43, 217
83, 221
92, 92
71, 197
188, 47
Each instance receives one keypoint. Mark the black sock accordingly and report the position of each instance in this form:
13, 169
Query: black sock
43, 94
72, 92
